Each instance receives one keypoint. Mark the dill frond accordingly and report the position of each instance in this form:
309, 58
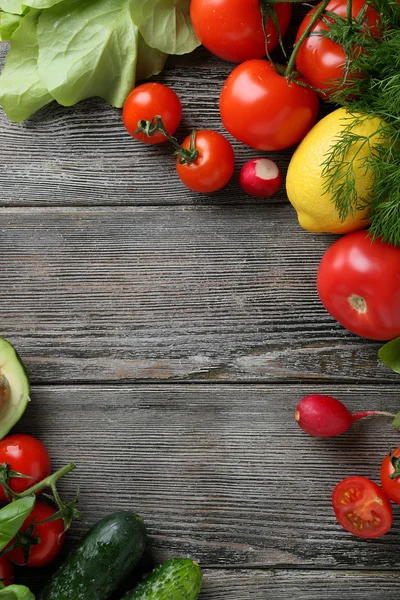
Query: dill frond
371, 89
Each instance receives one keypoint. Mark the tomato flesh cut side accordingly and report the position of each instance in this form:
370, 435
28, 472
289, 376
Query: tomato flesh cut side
362, 507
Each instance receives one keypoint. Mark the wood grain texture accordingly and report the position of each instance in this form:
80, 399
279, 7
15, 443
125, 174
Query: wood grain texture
199, 293
221, 473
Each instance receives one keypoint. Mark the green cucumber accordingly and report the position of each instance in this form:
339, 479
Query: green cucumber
101, 561
176, 579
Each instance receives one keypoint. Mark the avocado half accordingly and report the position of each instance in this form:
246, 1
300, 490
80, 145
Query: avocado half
14, 387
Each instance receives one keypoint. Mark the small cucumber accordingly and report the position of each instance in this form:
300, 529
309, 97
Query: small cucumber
176, 579
101, 561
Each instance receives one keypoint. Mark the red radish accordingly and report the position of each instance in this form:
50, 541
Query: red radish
260, 177
324, 416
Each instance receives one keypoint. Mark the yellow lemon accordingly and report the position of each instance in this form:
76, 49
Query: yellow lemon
305, 185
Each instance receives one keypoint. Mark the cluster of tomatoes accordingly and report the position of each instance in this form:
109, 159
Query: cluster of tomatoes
24, 462
267, 107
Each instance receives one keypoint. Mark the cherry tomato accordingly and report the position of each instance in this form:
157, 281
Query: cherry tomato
6, 571
50, 537
362, 507
265, 110
213, 166
390, 475
144, 103
359, 284
233, 29
320, 60
27, 455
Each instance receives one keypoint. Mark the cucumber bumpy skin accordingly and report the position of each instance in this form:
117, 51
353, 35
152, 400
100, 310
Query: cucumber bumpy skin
176, 579
101, 561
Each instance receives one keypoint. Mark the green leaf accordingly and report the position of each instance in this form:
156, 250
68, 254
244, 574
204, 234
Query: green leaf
8, 24
12, 517
16, 592
12, 6
150, 61
390, 355
165, 24
88, 48
42, 3
22, 92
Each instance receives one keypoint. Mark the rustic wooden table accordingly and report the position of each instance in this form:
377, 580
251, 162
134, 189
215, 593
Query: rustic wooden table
168, 337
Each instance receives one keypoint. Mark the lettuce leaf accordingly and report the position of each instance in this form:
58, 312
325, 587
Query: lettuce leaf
12, 6
22, 92
88, 48
165, 25
8, 25
41, 3
150, 61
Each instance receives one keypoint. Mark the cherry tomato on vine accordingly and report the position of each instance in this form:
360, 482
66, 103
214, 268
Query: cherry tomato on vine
233, 29
213, 166
146, 101
390, 475
358, 282
362, 507
266, 110
320, 60
23, 454
6, 571
47, 538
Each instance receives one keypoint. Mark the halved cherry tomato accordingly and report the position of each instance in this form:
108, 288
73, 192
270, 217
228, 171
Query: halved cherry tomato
42, 541
390, 475
320, 60
144, 103
27, 455
233, 29
6, 571
265, 110
362, 507
214, 165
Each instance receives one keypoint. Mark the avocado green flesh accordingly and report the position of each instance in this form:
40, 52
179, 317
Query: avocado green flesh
12, 370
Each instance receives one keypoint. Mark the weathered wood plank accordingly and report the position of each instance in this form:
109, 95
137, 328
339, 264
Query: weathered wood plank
189, 293
220, 473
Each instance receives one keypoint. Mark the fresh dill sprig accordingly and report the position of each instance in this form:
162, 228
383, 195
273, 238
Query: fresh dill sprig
371, 89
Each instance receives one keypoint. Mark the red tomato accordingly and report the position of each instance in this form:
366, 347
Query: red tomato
362, 507
144, 103
263, 109
214, 165
320, 60
359, 284
233, 29
50, 535
27, 455
390, 475
6, 571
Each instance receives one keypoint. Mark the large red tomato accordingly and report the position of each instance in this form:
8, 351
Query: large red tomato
359, 284
6, 571
320, 60
266, 110
390, 475
233, 30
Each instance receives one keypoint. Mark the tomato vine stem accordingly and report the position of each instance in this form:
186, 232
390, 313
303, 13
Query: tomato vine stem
185, 155
306, 33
